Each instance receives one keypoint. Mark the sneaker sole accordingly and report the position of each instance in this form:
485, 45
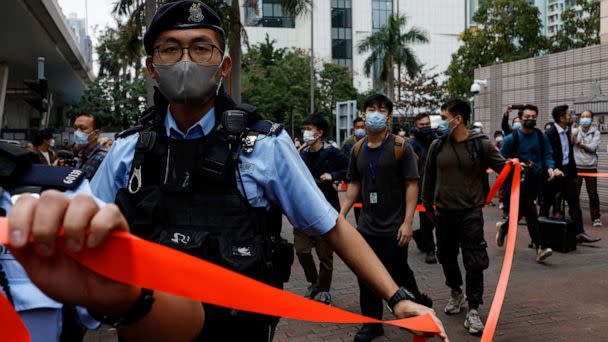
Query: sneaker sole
543, 257
472, 331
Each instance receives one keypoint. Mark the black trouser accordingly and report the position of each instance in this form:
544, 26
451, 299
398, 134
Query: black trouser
463, 230
567, 187
394, 258
527, 194
230, 325
424, 236
591, 184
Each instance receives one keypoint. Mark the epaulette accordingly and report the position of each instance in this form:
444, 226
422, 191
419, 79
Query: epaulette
42, 177
266, 127
129, 131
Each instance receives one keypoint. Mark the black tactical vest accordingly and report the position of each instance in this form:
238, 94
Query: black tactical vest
183, 194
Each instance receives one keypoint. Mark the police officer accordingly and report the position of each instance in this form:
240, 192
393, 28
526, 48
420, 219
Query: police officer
209, 178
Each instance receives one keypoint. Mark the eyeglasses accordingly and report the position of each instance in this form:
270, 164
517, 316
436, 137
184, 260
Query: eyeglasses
200, 53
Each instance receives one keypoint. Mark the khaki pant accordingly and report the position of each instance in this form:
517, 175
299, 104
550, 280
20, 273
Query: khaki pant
303, 245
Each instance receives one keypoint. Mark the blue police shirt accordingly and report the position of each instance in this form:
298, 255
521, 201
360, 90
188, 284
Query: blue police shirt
41, 314
273, 172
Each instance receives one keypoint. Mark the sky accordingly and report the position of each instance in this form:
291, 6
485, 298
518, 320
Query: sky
99, 15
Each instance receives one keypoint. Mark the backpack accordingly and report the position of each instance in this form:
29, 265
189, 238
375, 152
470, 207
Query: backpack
397, 149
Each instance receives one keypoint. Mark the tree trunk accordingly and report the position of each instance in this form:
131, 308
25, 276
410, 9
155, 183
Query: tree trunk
391, 79
235, 51
150, 9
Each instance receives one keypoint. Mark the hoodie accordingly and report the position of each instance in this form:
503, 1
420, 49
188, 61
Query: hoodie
586, 158
455, 179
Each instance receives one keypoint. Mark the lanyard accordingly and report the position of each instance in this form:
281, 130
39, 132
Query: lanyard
373, 165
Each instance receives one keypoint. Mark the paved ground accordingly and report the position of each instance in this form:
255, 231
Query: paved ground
562, 300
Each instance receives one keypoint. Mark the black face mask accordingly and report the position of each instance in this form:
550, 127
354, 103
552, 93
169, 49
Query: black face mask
529, 123
424, 133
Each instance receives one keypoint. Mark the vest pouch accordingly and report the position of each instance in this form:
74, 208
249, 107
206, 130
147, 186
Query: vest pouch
184, 240
283, 260
242, 255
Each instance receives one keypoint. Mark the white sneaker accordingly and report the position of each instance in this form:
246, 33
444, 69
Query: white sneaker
542, 254
456, 301
473, 322
597, 223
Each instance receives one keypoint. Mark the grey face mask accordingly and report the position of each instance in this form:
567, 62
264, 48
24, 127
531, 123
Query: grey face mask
188, 82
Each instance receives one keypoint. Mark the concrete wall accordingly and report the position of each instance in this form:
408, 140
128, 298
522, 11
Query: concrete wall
547, 81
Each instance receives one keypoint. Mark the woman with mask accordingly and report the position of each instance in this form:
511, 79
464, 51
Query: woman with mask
43, 146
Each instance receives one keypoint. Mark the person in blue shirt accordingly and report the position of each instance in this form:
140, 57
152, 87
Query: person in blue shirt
199, 180
525, 144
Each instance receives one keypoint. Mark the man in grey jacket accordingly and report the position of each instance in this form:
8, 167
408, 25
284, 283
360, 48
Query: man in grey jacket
586, 140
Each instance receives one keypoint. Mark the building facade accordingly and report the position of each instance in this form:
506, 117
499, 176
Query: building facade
35, 34
578, 78
340, 25
79, 29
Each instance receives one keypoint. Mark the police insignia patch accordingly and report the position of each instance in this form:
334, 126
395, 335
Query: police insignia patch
196, 13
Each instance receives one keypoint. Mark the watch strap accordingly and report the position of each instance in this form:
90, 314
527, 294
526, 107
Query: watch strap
401, 294
136, 312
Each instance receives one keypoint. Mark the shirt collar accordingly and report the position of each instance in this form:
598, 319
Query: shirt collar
201, 128
560, 130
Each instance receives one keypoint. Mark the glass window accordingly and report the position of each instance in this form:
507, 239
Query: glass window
274, 16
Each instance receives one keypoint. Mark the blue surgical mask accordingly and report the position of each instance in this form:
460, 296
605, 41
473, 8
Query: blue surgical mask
375, 122
585, 122
516, 125
81, 138
444, 127
359, 133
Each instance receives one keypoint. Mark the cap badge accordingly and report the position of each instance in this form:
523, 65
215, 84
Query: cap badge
196, 13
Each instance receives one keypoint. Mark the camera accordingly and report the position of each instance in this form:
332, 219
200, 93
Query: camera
66, 157
475, 88
517, 107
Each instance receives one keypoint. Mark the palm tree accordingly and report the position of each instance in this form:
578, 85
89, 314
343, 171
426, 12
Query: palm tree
139, 12
390, 46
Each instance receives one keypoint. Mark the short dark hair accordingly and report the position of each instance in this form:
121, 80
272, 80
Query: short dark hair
420, 117
444, 107
528, 107
97, 120
357, 120
499, 132
319, 122
40, 136
459, 107
558, 112
378, 100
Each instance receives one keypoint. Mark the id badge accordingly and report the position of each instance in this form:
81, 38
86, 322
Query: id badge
373, 198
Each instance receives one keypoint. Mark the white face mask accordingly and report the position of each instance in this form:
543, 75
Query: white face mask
309, 137
401, 133
52, 143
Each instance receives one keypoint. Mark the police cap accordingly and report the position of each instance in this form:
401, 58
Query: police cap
183, 14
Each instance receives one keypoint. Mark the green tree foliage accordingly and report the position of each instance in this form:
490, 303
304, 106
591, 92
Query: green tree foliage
580, 28
277, 82
391, 46
507, 30
118, 93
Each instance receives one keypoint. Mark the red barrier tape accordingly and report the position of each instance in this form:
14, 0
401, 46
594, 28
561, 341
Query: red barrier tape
588, 174
127, 259
503, 280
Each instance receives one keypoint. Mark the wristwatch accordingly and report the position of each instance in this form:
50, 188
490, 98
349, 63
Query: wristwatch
136, 312
401, 294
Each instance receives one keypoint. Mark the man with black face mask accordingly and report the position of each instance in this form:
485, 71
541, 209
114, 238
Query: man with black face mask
423, 137
210, 178
531, 147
